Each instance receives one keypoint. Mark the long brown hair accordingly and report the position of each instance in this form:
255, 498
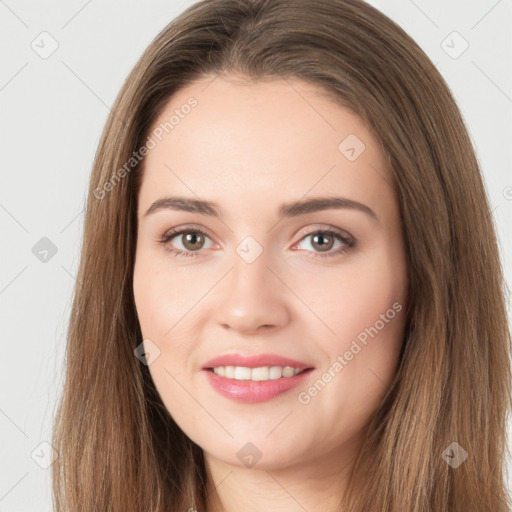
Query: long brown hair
119, 449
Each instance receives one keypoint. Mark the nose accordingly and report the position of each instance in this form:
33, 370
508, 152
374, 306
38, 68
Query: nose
252, 298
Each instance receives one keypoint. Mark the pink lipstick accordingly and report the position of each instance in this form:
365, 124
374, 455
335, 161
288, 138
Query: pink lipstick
253, 379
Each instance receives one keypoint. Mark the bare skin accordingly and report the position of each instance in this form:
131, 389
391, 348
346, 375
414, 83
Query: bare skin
249, 147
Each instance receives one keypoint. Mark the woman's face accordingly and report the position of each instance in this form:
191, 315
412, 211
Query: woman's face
259, 285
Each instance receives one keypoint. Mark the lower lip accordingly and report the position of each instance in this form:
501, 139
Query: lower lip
250, 391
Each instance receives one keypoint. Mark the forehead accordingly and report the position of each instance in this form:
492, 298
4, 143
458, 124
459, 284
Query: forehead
276, 138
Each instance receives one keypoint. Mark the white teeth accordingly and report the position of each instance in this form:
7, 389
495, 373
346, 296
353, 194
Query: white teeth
242, 373
256, 374
288, 371
260, 373
276, 372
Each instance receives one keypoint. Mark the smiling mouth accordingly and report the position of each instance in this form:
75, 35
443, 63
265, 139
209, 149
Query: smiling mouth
261, 373
252, 385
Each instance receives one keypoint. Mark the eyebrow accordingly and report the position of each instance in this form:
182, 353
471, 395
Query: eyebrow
292, 209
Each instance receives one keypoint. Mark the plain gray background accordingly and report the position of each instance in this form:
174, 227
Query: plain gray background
53, 108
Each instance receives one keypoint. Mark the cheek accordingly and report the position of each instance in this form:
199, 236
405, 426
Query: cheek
160, 305
353, 297
361, 362
364, 306
149, 302
160, 298
166, 304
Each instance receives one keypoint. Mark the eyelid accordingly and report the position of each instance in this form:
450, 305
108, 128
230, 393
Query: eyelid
343, 235
188, 227
324, 227
173, 232
302, 232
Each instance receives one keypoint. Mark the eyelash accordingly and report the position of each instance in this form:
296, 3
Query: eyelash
168, 236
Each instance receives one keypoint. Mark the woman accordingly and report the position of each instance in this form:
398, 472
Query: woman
290, 292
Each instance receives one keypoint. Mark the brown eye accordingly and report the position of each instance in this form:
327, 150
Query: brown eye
322, 241
192, 240
185, 242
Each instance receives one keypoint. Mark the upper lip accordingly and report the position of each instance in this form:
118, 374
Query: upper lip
254, 361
